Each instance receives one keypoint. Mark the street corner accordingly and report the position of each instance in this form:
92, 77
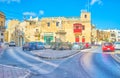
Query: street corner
10, 71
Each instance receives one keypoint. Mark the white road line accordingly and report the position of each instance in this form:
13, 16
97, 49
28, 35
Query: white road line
36, 58
34, 67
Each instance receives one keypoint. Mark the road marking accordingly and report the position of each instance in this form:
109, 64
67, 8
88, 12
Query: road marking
34, 67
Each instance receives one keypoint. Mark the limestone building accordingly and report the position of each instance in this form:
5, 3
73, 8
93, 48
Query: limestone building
51, 29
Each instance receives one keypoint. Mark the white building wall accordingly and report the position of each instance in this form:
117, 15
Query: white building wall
118, 35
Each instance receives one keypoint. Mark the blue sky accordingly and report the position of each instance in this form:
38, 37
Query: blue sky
105, 14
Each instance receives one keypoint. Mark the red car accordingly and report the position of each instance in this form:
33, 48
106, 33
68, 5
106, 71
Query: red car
87, 45
108, 47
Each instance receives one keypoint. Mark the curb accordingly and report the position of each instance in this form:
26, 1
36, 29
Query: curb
62, 57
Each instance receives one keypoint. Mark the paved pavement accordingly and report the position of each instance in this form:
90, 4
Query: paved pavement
13, 72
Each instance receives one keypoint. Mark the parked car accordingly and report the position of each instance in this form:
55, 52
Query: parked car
64, 47
108, 46
61, 46
86, 45
29, 46
39, 45
12, 43
76, 46
117, 45
47, 46
25, 46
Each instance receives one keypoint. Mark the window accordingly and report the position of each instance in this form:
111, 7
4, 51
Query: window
85, 16
30, 23
77, 27
57, 23
48, 24
112, 35
83, 27
1, 34
36, 30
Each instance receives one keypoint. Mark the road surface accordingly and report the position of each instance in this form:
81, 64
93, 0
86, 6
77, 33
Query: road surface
87, 64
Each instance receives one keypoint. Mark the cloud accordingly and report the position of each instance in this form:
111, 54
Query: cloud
30, 13
9, 1
95, 1
41, 12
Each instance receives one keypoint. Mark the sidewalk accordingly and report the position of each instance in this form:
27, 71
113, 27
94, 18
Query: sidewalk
13, 72
54, 54
57, 54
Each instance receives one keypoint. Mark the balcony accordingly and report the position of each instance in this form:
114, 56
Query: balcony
77, 28
77, 31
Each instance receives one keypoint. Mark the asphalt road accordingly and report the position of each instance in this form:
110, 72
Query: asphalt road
87, 64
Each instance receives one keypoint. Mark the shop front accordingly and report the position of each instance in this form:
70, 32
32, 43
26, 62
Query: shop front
48, 37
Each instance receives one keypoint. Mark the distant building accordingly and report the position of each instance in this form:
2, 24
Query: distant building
118, 35
103, 35
110, 35
115, 35
2, 26
10, 34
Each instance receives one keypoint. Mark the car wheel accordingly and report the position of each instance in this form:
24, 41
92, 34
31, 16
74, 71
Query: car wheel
29, 49
23, 49
103, 50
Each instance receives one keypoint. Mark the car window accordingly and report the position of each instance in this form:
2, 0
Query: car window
117, 43
40, 43
12, 42
108, 44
